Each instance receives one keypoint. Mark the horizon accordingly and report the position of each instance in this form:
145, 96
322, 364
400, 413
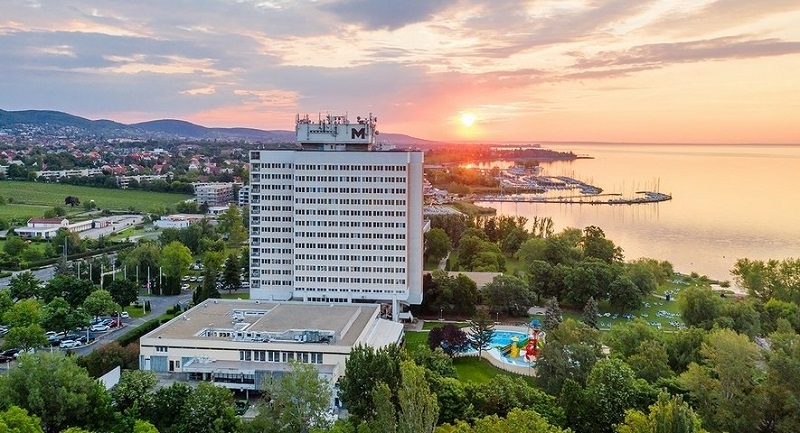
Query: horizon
448, 71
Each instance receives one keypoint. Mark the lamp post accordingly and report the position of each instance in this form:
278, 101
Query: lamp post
497, 317
440, 313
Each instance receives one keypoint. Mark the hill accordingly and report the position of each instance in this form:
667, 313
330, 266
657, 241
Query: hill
57, 123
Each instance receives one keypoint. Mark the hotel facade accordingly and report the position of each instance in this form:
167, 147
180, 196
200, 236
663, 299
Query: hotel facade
334, 221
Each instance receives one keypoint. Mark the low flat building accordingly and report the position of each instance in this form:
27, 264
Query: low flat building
177, 221
239, 343
46, 228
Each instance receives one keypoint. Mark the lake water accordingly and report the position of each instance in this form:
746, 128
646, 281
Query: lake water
729, 201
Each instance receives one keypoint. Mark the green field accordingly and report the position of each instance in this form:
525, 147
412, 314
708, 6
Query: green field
31, 199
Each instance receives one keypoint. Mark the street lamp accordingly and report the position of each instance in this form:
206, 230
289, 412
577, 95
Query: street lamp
497, 317
440, 313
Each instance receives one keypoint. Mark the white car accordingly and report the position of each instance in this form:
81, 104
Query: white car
124, 315
69, 344
99, 328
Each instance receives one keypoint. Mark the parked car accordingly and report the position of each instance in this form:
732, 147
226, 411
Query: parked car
100, 328
124, 315
69, 344
11, 353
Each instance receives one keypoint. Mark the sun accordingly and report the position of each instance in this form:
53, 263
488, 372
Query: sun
468, 119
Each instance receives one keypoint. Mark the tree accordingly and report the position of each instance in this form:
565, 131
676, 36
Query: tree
437, 244
502, 394
365, 368
571, 351
15, 245
418, 407
699, 306
174, 263
385, 418
100, 302
134, 391
208, 409
590, 313
24, 285
23, 318
16, 420
297, 401
726, 389
611, 388
144, 260
72, 289
670, 414
230, 222
231, 276
244, 261
651, 361
517, 421
59, 316
168, 407
596, 245
552, 314
123, 292
72, 201
509, 293
108, 356
481, 331
449, 338
52, 387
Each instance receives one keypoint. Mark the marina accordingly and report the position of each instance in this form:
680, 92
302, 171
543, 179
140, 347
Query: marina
596, 199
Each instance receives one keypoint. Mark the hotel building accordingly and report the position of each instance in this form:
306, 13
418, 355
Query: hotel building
333, 221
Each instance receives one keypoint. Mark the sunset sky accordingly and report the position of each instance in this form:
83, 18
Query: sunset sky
699, 71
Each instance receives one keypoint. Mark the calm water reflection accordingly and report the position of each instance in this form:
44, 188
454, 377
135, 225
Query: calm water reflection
728, 202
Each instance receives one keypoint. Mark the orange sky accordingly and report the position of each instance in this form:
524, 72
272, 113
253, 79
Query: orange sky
716, 71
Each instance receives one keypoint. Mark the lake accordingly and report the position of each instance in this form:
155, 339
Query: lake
729, 201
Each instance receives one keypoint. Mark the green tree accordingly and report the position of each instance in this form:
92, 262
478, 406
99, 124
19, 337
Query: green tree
651, 361
385, 418
481, 331
208, 409
725, 389
437, 244
244, 261
517, 421
231, 275
699, 306
595, 244
502, 394
571, 351
60, 316
52, 387
670, 414
15, 245
168, 407
175, 261
23, 319
297, 401
16, 420
552, 314
24, 285
134, 392
143, 260
100, 302
590, 313
364, 368
71, 288
109, 356
508, 293
123, 292
419, 410
230, 222
5, 302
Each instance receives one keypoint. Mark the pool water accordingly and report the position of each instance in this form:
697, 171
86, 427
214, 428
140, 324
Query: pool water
501, 339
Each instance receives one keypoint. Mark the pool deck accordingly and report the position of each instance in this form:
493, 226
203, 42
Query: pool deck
516, 369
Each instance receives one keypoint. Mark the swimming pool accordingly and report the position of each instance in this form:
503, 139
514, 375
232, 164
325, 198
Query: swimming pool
501, 339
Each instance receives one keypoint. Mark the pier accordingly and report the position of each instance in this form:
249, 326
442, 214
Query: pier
597, 199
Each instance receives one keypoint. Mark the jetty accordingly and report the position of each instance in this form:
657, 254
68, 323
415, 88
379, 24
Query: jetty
597, 199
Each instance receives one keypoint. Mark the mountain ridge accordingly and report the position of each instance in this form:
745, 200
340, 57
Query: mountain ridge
59, 122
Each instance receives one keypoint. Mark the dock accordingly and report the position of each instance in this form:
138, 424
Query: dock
598, 199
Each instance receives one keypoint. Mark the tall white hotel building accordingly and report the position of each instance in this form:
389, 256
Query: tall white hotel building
334, 221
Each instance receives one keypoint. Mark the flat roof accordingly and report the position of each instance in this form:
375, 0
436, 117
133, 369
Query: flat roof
347, 321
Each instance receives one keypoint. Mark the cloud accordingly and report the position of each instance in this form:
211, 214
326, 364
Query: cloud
385, 14
731, 47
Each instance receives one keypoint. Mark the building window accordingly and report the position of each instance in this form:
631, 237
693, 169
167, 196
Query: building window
161, 348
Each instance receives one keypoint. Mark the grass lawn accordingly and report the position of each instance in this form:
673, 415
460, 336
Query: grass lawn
52, 194
22, 211
430, 324
416, 340
134, 312
226, 295
474, 369
430, 265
